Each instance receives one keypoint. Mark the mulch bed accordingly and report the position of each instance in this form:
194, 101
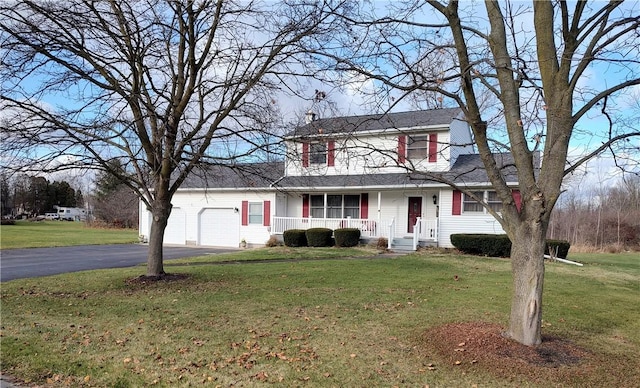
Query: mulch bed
166, 277
556, 362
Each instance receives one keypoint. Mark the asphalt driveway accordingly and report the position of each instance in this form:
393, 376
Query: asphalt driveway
35, 262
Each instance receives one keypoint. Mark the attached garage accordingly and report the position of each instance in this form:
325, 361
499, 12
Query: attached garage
176, 231
219, 227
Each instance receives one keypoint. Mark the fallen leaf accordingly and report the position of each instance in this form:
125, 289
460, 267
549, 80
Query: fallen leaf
458, 362
262, 376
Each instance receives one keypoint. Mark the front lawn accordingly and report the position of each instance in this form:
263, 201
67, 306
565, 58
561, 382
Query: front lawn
357, 322
42, 234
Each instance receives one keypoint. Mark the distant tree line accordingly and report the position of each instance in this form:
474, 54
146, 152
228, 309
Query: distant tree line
35, 195
111, 203
114, 203
600, 218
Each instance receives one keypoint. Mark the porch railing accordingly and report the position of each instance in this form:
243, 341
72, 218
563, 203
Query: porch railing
368, 228
424, 230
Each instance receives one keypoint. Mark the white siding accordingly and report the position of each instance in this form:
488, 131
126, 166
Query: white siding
368, 154
476, 222
193, 203
175, 233
460, 139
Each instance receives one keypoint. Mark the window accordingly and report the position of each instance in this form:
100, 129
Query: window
318, 153
337, 206
491, 197
351, 206
255, 212
471, 205
317, 206
334, 206
417, 147
494, 202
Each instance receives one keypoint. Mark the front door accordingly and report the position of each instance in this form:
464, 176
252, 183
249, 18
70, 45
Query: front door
415, 211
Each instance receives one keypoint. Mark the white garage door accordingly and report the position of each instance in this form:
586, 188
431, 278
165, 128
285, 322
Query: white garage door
176, 232
219, 227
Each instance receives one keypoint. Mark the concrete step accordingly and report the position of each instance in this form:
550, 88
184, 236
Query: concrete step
402, 244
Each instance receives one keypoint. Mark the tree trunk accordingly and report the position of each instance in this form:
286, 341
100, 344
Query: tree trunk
160, 217
527, 261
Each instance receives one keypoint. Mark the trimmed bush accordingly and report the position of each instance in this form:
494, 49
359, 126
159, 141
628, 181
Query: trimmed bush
494, 245
561, 245
347, 237
498, 245
295, 238
319, 237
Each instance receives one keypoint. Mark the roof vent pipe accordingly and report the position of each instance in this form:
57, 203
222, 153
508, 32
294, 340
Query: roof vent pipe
309, 117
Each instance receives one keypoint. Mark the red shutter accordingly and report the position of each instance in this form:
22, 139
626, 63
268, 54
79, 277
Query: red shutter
305, 154
305, 205
267, 213
245, 212
517, 198
364, 205
456, 210
402, 149
331, 156
433, 147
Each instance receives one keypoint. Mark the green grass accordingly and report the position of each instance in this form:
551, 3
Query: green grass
325, 322
41, 234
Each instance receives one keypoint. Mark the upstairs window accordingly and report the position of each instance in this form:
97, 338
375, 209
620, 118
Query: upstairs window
417, 147
318, 153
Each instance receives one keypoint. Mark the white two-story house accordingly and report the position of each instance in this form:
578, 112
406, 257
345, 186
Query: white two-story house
365, 172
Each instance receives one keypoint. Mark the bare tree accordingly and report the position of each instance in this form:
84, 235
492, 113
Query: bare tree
164, 87
523, 91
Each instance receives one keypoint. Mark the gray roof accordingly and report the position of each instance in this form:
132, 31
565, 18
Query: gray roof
246, 176
350, 124
467, 170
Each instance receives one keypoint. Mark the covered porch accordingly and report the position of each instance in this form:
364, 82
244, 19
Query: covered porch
425, 232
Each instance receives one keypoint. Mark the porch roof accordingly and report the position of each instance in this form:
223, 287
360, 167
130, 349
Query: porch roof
468, 170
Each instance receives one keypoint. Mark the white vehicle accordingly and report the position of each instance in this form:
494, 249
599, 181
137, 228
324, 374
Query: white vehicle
51, 216
72, 214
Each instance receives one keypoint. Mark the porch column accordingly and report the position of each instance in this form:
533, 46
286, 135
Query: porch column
379, 204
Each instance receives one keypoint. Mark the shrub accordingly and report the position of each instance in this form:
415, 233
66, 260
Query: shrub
273, 242
561, 245
319, 237
498, 245
295, 238
381, 244
8, 222
494, 245
347, 237
482, 244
